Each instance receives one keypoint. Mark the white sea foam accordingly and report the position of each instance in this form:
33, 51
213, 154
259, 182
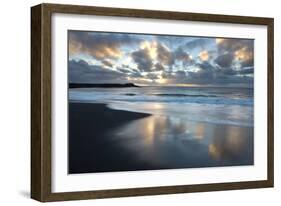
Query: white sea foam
232, 106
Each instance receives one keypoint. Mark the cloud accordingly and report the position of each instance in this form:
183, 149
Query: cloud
159, 67
142, 59
159, 59
181, 55
164, 55
241, 50
135, 74
206, 66
155, 55
208, 73
107, 63
152, 76
225, 60
201, 43
167, 75
232, 45
124, 70
180, 76
99, 45
176, 77
245, 56
151, 48
81, 72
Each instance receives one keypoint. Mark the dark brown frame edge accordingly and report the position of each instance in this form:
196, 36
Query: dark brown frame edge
41, 101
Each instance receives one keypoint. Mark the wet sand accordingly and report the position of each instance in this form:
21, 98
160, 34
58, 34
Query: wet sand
91, 146
106, 140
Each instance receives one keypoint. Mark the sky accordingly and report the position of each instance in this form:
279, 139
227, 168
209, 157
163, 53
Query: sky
147, 59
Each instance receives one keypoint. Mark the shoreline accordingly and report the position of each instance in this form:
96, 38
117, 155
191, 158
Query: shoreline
102, 139
89, 134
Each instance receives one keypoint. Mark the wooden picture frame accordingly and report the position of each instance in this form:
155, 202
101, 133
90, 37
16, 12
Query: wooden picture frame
41, 116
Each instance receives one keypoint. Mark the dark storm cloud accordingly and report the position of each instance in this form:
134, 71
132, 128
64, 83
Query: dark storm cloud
135, 74
207, 73
225, 60
99, 45
181, 55
206, 66
241, 50
201, 77
176, 77
152, 76
167, 75
81, 72
167, 57
210, 74
248, 62
180, 75
129, 71
142, 59
227, 72
107, 63
159, 67
164, 55
124, 70
232, 45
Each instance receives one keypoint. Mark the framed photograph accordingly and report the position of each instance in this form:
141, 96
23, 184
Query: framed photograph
129, 102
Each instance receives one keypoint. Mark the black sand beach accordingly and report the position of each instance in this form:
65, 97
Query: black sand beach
90, 139
106, 140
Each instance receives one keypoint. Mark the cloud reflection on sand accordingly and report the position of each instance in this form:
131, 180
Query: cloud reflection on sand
173, 142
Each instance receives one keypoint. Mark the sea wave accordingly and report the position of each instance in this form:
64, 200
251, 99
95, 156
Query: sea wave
189, 99
216, 114
183, 95
164, 97
220, 107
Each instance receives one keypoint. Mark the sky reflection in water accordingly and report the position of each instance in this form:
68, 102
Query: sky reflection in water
173, 142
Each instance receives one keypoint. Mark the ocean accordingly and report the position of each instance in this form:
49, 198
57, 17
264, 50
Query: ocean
219, 105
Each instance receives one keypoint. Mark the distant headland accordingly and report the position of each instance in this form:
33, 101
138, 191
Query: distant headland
90, 85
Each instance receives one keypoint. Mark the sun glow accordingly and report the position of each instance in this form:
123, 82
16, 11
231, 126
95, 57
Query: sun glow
204, 55
188, 85
151, 47
219, 40
161, 80
243, 54
137, 80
